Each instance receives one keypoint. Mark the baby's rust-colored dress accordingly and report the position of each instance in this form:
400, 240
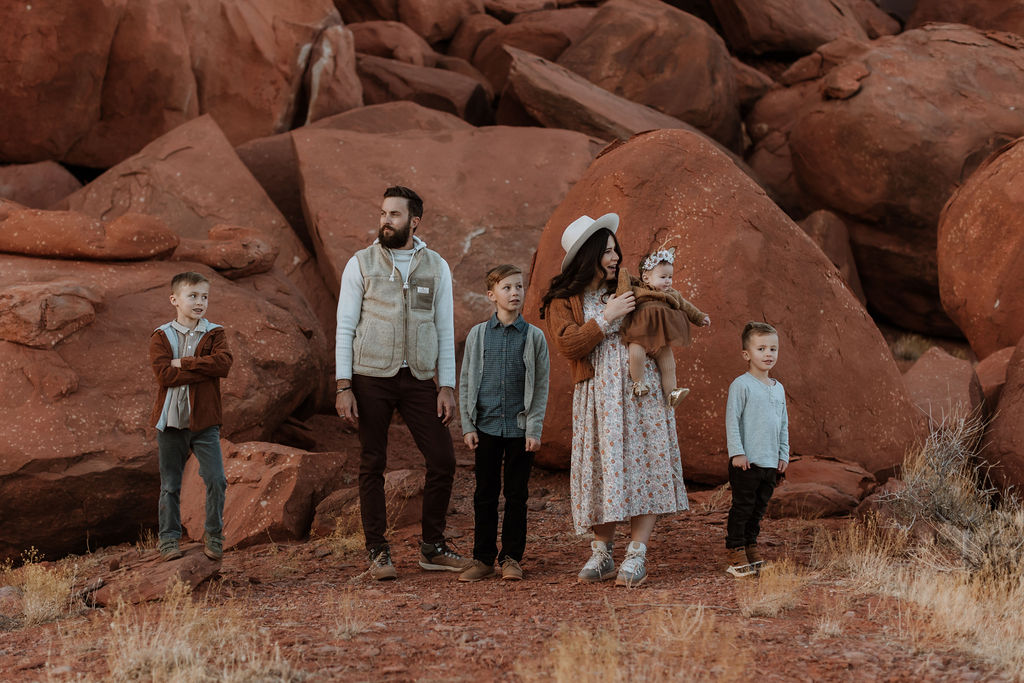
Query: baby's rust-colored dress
660, 318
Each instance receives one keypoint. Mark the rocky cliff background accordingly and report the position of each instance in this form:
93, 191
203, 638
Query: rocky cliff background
849, 170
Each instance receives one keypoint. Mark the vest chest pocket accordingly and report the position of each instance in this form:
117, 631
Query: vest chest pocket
421, 293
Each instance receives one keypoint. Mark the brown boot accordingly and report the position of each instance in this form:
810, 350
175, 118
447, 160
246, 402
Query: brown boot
753, 557
477, 571
736, 563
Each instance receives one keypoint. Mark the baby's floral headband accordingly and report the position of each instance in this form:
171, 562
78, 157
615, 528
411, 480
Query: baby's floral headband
660, 256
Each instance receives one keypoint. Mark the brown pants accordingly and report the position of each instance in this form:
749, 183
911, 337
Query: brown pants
416, 401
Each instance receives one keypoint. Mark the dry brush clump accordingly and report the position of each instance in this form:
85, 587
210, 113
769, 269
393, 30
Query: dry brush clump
186, 639
949, 548
47, 590
678, 643
776, 590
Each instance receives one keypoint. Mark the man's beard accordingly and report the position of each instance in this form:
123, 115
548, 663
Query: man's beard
398, 238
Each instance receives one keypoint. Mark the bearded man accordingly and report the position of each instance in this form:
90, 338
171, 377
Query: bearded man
395, 335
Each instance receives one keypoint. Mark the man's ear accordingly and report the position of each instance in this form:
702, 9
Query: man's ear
414, 222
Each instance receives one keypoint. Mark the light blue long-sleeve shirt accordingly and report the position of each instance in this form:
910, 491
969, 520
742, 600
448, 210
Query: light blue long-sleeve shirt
756, 423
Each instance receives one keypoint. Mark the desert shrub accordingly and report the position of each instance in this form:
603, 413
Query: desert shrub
909, 347
182, 639
774, 591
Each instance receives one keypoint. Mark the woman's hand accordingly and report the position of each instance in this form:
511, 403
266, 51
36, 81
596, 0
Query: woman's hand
618, 306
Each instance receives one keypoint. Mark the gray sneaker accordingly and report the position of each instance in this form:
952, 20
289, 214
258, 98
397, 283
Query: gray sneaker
600, 566
381, 568
438, 557
633, 571
170, 550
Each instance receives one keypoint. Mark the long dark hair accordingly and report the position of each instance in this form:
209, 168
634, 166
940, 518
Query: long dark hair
578, 275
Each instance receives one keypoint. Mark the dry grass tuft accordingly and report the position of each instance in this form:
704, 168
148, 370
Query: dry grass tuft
910, 347
350, 618
47, 591
147, 540
951, 552
185, 640
684, 643
774, 591
719, 500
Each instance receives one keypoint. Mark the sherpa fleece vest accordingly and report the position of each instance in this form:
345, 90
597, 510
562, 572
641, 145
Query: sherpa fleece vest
397, 319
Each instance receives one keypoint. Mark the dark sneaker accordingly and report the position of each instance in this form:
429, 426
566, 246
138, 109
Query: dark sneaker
213, 547
169, 550
479, 570
381, 568
438, 557
633, 570
600, 566
510, 570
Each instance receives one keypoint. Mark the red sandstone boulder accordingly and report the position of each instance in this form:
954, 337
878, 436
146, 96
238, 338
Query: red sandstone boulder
434, 20
193, 180
392, 40
981, 253
272, 160
77, 455
403, 491
36, 186
992, 374
70, 234
331, 82
1004, 439
654, 54
491, 213
787, 26
471, 33
119, 74
534, 37
820, 487
571, 22
387, 80
1004, 15
830, 234
738, 258
146, 577
555, 97
232, 250
272, 492
942, 387
507, 10
873, 19
914, 145
751, 84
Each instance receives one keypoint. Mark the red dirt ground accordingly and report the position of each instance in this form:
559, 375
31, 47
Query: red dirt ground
428, 626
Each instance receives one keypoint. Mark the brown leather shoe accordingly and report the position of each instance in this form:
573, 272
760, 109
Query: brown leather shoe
476, 572
510, 570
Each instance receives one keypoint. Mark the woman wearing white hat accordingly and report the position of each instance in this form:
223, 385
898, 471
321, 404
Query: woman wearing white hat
625, 454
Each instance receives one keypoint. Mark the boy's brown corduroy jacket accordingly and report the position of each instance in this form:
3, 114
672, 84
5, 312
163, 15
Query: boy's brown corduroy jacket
202, 372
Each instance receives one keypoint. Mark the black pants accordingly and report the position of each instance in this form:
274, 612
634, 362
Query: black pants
517, 461
377, 398
751, 491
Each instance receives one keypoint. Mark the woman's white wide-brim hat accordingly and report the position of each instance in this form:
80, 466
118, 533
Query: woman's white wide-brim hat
577, 233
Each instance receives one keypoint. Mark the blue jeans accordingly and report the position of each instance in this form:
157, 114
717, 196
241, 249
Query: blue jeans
175, 446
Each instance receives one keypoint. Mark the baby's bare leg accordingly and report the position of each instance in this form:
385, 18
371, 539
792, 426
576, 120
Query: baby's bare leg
637, 357
667, 367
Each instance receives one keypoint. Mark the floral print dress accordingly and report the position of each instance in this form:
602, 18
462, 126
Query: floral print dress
625, 454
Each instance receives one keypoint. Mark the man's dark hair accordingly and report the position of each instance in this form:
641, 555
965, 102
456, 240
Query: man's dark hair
754, 328
187, 278
413, 199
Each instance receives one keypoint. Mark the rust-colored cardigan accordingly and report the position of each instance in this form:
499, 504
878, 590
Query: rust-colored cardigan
574, 338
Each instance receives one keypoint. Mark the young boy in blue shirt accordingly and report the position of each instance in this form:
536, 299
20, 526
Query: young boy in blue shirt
503, 393
757, 429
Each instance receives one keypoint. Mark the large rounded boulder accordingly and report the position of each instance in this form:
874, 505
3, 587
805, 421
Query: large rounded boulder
739, 258
891, 133
981, 253
1004, 448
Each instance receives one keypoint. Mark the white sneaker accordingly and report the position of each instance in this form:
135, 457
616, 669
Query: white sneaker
600, 566
633, 571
